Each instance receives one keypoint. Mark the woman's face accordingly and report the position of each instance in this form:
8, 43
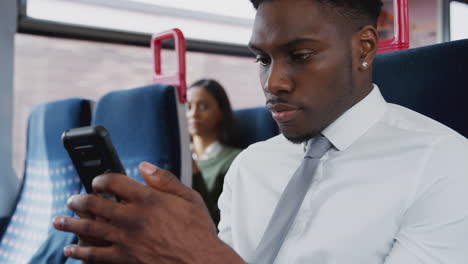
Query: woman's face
203, 112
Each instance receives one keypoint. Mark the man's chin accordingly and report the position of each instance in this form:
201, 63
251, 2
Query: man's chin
298, 138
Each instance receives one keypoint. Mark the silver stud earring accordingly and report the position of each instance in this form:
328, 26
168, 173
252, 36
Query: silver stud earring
365, 64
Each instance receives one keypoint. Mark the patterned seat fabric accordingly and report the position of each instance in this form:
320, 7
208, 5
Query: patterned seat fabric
143, 124
49, 179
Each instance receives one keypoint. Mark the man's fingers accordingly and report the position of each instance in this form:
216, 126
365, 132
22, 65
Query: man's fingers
85, 227
94, 254
120, 185
79, 213
90, 206
165, 181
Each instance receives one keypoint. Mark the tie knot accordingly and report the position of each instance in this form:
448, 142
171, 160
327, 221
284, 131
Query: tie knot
317, 147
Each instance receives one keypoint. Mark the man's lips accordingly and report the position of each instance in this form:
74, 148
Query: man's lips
283, 112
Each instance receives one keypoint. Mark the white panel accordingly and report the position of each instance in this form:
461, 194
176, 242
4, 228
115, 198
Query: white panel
185, 152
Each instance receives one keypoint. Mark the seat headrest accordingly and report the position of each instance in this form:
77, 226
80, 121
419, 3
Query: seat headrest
255, 124
47, 123
143, 125
431, 80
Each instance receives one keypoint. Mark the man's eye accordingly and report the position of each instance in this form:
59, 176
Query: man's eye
264, 61
298, 57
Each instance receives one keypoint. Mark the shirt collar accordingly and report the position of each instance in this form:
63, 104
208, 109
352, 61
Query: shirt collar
210, 152
353, 123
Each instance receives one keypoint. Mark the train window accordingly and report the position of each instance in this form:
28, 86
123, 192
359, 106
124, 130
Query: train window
423, 22
49, 69
149, 16
386, 21
458, 20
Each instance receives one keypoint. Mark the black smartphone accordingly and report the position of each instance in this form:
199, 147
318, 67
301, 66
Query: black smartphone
92, 153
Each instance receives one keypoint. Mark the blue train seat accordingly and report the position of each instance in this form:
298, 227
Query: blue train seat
49, 179
144, 126
255, 124
431, 80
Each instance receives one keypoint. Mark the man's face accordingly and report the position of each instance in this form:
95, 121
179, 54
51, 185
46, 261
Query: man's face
306, 65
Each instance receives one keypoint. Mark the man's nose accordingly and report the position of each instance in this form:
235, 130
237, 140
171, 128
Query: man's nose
278, 80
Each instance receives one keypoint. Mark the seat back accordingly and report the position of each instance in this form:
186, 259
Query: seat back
49, 178
431, 80
144, 126
255, 124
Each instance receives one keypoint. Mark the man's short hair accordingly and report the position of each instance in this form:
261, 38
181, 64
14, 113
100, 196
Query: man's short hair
362, 11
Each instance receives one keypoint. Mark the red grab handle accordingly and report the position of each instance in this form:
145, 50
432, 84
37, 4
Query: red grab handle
176, 79
400, 39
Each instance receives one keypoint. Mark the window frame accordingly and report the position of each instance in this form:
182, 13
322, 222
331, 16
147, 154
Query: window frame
42, 27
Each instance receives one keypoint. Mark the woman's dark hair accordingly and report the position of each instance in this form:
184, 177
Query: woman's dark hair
227, 129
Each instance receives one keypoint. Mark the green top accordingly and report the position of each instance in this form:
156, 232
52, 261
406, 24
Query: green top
209, 181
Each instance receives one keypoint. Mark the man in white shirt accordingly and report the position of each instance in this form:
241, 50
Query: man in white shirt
391, 190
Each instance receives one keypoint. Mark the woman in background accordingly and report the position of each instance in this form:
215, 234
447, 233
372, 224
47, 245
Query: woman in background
214, 139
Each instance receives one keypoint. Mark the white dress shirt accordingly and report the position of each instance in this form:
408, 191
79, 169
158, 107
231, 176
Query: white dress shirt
393, 190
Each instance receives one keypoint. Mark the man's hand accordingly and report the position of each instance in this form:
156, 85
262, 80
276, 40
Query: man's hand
164, 222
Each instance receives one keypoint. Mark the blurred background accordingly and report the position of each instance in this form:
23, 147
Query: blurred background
86, 48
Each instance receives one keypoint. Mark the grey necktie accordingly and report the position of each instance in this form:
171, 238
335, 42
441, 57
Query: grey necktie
290, 202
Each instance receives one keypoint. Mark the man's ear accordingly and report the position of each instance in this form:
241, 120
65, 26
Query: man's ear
367, 41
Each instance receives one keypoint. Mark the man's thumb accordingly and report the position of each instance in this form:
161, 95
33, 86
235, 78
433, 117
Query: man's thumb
163, 180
